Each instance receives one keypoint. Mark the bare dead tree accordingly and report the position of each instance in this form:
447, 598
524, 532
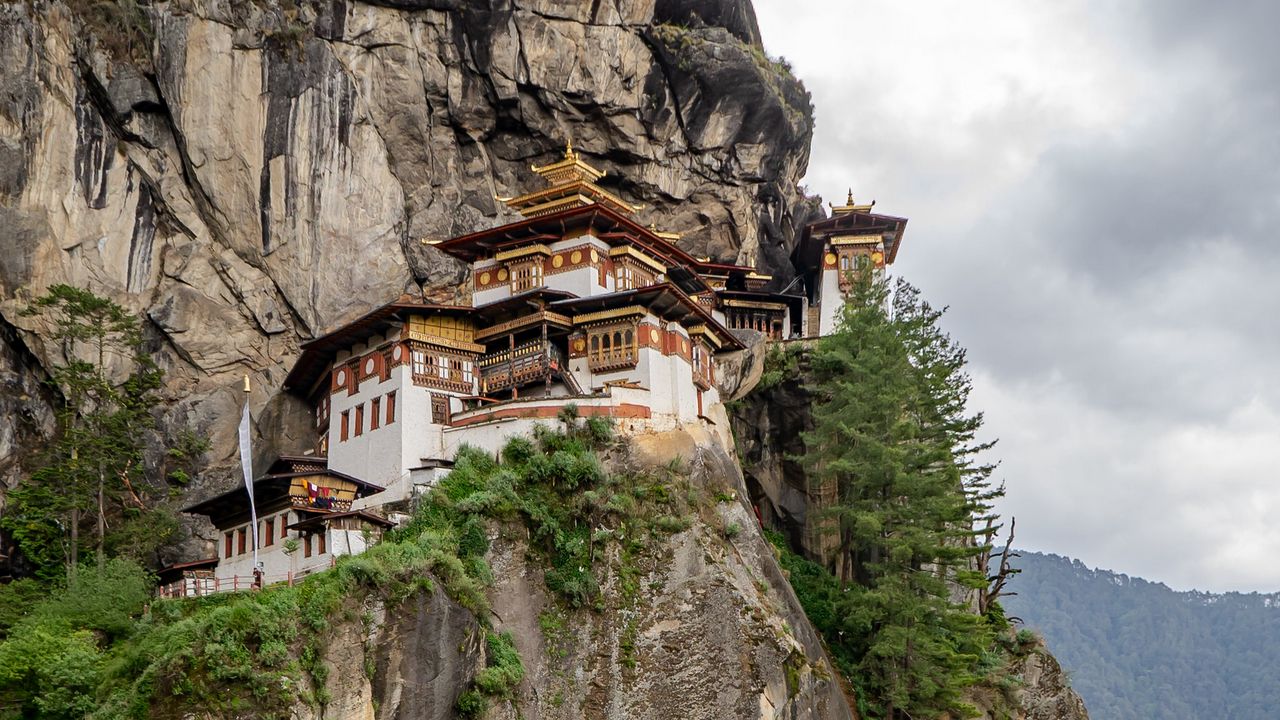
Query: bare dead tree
1004, 570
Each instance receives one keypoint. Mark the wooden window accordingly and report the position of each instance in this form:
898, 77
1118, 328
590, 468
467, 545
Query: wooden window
439, 409
375, 413
240, 540
321, 537
322, 412
627, 276
526, 275
284, 525
269, 532
343, 431
306, 545
227, 552
359, 420
612, 347
391, 407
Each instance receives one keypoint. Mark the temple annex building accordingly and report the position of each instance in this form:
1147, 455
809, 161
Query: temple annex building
576, 303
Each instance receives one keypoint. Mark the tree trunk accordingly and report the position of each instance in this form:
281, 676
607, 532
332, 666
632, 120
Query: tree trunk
102, 518
75, 543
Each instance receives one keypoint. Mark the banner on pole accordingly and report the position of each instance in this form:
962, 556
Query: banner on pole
246, 464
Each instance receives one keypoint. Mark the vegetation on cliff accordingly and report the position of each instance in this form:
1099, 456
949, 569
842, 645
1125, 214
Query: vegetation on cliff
90, 650
893, 464
91, 487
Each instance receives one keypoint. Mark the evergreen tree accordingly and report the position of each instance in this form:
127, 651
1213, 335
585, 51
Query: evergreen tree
91, 478
894, 452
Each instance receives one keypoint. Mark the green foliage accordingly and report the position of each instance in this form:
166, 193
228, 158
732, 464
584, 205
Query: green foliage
50, 661
89, 651
92, 484
503, 669
782, 362
17, 599
894, 446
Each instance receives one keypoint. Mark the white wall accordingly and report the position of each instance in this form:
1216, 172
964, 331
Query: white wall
831, 303
375, 456
276, 563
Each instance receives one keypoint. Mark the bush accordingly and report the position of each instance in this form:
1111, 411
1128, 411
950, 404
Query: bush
504, 670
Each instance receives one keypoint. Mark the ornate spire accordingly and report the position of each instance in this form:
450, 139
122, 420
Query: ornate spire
850, 206
571, 183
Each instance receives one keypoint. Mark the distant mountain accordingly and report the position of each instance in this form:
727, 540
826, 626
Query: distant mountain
1137, 650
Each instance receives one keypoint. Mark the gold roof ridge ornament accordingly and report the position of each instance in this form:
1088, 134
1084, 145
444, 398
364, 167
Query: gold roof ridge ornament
571, 183
850, 206
668, 236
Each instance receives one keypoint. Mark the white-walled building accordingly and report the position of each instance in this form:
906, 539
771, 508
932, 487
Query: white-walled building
830, 252
305, 518
574, 304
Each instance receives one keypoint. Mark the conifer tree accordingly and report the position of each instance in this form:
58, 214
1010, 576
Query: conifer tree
92, 475
894, 449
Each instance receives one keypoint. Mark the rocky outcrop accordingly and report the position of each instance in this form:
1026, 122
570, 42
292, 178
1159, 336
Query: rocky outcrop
247, 175
767, 425
710, 629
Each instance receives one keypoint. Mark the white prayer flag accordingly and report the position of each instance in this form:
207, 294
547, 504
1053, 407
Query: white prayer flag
246, 464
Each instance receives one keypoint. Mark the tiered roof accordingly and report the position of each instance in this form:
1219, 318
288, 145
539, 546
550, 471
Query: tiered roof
851, 222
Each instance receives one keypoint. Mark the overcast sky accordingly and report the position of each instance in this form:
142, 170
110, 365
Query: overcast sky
1093, 188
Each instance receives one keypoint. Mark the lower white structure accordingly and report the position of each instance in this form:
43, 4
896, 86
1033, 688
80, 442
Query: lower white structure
305, 519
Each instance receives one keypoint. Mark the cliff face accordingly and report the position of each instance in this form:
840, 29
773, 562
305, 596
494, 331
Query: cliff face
247, 175
713, 631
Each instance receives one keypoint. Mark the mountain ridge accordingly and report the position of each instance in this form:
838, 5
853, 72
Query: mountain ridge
1138, 648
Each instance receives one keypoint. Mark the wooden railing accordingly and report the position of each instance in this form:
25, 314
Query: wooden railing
430, 377
201, 586
527, 363
614, 358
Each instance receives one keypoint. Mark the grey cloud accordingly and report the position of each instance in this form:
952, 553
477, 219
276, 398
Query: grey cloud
1114, 281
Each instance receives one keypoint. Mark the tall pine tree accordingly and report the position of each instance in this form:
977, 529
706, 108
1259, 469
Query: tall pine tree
895, 452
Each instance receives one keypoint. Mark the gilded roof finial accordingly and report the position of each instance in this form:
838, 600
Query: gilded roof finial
849, 206
570, 183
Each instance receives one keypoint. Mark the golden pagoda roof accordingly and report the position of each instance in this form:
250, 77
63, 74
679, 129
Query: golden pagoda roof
572, 184
850, 206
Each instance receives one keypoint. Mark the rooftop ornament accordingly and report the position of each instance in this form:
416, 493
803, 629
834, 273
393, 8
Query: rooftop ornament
572, 183
850, 206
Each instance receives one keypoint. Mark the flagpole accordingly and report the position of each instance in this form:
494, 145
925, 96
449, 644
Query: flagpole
246, 465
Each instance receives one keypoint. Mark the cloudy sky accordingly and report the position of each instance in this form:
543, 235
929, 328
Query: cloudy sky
1094, 190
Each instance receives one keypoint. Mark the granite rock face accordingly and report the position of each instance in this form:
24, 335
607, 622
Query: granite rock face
714, 631
246, 176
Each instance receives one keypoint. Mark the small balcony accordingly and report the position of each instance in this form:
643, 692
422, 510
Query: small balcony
614, 358
527, 363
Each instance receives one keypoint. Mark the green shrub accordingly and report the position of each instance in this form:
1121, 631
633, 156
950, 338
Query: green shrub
503, 670
471, 704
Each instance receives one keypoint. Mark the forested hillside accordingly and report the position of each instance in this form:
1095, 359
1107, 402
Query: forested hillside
1137, 649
